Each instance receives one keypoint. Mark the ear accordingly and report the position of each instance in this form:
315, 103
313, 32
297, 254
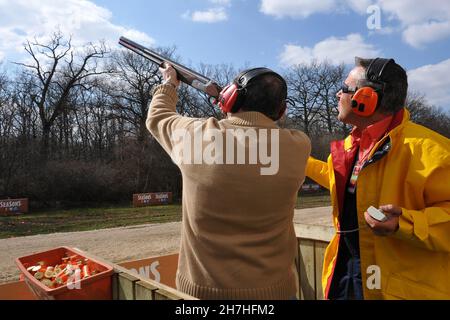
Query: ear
282, 111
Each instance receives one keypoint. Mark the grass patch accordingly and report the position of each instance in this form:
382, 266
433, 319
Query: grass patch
313, 201
84, 219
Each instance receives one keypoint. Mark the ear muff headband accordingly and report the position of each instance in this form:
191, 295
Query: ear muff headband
233, 95
366, 100
376, 69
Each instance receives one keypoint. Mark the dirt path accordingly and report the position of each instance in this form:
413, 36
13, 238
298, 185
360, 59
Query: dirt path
123, 244
116, 245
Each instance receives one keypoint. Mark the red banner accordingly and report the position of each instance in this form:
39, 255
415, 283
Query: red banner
151, 199
162, 269
13, 206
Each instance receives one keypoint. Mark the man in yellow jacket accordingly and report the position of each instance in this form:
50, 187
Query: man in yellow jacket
399, 167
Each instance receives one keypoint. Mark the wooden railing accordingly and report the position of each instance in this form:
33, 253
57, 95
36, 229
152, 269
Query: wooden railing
314, 231
131, 286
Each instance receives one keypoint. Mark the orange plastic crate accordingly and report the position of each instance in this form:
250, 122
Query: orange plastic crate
96, 287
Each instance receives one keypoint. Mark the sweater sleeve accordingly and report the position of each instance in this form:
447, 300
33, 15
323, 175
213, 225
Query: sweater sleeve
162, 120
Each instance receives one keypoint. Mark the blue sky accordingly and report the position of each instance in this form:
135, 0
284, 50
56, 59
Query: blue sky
248, 35
273, 33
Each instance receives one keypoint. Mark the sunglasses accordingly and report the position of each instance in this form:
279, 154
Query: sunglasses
346, 89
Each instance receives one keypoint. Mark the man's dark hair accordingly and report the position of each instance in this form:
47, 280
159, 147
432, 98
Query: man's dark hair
396, 89
266, 94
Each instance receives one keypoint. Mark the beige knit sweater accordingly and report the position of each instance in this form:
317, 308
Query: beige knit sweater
238, 239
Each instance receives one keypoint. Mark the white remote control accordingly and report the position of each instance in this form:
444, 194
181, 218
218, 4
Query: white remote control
377, 214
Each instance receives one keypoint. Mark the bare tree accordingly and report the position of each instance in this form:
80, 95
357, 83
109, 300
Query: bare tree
87, 116
94, 131
132, 92
26, 115
5, 112
304, 92
135, 78
201, 104
423, 113
56, 69
330, 78
8, 145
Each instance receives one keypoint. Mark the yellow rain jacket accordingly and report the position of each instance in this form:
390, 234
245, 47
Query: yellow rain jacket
409, 167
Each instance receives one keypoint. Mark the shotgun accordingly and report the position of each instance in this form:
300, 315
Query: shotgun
188, 76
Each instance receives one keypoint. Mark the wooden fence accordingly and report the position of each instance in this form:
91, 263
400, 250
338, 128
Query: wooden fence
313, 229
127, 285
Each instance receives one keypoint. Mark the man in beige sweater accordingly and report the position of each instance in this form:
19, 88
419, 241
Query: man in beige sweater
241, 177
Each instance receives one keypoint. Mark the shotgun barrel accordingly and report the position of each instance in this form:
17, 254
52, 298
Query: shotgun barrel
184, 74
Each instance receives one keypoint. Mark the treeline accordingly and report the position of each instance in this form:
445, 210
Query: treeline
72, 121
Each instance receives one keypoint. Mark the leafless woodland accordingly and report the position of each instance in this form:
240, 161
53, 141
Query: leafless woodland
72, 121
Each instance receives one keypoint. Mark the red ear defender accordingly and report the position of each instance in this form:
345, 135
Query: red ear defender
364, 102
282, 111
227, 98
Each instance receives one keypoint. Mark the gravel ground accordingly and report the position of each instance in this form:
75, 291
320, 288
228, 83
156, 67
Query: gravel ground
116, 245
121, 244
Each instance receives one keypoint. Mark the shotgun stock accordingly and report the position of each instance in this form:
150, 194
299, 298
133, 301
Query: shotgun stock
186, 75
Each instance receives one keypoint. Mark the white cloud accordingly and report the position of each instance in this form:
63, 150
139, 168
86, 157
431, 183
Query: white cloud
432, 80
416, 11
85, 21
305, 8
336, 50
209, 16
295, 8
423, 22
221, 2
407, 12
383, 31
420, 34
293, 55
360, 6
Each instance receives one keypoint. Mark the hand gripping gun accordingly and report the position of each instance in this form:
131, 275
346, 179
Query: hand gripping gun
184, 74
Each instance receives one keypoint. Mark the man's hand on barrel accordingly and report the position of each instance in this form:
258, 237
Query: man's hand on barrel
169, 75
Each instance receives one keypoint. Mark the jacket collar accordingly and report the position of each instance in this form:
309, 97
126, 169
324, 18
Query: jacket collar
373, 132
400, 119
398, 122
251, 119
343, 153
